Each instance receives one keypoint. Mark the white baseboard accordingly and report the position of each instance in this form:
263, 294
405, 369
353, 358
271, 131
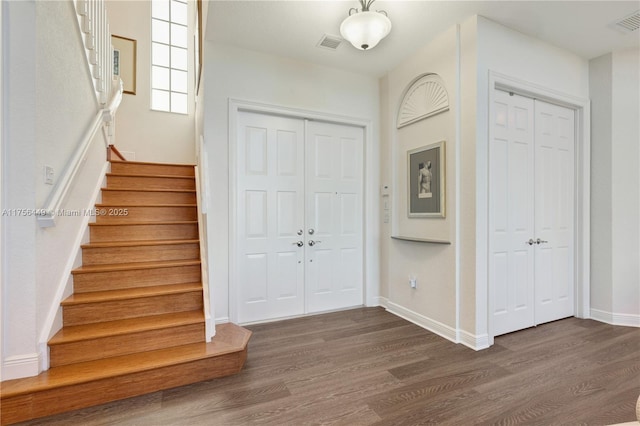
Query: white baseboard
627, 320
222, 320
19, 366
470, 340
432, 325
473, 341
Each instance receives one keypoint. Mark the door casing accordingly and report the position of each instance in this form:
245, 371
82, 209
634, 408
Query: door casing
371, 232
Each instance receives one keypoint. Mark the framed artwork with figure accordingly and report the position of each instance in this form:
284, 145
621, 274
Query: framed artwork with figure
426, 181
125, 57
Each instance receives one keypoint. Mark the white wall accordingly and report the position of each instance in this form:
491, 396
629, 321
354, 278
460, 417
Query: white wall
65, 107
601, 202
615, 212
19, 331
2, 137
433, 302
246, 75
58, 130
51, 103
152, 135
625, 181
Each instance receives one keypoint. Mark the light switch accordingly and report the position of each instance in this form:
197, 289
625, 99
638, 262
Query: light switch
48, 175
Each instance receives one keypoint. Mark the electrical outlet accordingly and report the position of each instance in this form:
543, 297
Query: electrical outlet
413, 282
48, 175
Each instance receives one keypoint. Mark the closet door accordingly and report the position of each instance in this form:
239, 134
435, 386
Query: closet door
554, 208
531, 212
511, 215
334, 277
270, 217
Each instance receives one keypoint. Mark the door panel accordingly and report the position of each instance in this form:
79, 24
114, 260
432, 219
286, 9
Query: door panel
511, 221
270, 207
334, 213
554, 175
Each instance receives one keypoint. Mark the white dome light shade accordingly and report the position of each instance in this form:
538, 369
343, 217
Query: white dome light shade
364, 30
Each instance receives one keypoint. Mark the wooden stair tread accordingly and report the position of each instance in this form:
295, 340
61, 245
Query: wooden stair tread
146, 222
232, 338
191, 191
134, 265
147, 163
145, 205
78, 333
147, 175
129, 293
137, 243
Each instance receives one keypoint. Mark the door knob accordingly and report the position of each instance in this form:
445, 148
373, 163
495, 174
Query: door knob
298, 243
311, 231
300, 232
313, 243
539, 241
530, 242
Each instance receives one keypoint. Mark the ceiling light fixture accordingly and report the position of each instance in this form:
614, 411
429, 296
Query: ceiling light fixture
363, 28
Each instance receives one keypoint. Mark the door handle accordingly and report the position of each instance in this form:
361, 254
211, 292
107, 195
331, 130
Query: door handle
313, 243
298, 243
539, 241
530, 242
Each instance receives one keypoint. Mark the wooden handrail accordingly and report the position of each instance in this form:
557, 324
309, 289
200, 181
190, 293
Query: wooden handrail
112, 152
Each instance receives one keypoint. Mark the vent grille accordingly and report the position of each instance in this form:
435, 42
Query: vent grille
629, 23
329, 42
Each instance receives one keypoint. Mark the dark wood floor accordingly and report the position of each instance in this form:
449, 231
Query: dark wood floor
366, 366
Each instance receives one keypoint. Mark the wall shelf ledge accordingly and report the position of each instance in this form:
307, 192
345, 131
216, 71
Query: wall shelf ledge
420, 240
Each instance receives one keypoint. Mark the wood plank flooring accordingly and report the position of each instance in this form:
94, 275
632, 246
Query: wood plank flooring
368, 367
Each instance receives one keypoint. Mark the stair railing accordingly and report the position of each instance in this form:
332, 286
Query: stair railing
93, 25
92, 20
114, 155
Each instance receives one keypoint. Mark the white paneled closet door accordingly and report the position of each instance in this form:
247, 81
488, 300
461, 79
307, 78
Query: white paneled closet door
531, 205
554, 208
511, 215
299, 241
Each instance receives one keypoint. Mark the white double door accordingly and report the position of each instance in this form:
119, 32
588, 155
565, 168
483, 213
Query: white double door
299, 216
531, 212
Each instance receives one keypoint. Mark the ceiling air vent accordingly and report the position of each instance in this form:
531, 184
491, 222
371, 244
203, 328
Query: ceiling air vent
329, 42
628, 24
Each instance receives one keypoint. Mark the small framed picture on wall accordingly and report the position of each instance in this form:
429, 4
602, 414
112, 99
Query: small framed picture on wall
426, 181
125, 57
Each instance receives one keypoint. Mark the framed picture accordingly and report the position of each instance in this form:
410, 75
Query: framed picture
426, 181
125, 54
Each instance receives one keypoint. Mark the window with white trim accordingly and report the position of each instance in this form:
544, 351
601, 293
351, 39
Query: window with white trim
169, 56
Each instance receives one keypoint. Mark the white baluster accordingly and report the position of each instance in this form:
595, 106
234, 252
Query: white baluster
81, 7
93, 22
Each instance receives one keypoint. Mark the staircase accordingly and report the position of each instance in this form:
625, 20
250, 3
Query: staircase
135, 323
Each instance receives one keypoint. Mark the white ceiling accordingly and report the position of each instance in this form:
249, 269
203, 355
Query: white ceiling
294, 28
